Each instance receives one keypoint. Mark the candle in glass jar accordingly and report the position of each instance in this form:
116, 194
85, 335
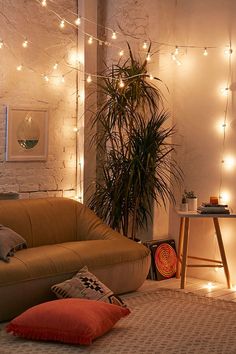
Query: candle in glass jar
214, 200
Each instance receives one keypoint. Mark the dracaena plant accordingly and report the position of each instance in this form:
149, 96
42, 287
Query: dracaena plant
137, 165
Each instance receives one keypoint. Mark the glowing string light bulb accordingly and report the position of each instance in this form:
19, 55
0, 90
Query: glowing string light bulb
224, 91
121, 83
145, 45
229, 162
78, 21
19, 67
25, 44
55, 66
62, 24
209, 286
151, 77
173, 56
228, 50
90, 40
44, 3
176, 50
63, 79
114, 35
224, 197
121, 52
89, 79
46, 78
75, 129
1, 44
148, 57
205, 52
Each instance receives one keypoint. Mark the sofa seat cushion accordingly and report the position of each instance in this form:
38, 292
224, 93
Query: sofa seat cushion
69, 257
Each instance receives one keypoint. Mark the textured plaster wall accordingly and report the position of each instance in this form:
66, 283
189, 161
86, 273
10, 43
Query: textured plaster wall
27, 88
195, 102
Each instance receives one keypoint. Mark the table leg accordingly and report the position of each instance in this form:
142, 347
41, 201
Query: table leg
222, 251
180, 247
185, 251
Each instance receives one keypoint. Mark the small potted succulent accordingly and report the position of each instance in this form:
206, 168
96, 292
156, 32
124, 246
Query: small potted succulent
191, 199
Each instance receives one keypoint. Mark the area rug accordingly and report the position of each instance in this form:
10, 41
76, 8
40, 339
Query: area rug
161, 322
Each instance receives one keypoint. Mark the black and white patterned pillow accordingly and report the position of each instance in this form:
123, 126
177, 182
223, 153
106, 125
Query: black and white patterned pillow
86, 285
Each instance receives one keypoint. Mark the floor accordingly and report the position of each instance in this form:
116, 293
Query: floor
197, 286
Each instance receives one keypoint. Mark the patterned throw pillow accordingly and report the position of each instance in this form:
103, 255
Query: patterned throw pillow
10, 242
86, 285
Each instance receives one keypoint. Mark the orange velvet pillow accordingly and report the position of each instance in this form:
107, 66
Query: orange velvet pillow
76, 321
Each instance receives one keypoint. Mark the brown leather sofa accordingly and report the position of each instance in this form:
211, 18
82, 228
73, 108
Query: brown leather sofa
63, 236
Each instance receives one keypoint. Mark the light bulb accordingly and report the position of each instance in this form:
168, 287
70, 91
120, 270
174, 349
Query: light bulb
121, 83
78, 21
145, 45
44, 3
114, 35
62, 24
89, 79
55, 66
176, 50
75, 129
209, 286
148, 57
25, 44
1, 44
224, 91
224, 197
46, 78
205, 52
228, 50
90, 40
229, 162
121, 52
151, 77
173, 56
19, 67
63, 79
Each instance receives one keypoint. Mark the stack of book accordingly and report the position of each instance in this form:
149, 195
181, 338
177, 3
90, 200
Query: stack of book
208, 208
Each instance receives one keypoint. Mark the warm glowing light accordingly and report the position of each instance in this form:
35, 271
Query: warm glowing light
228, 50
224, 197
121, 53
89, 79
19, 67
221, 126
55, 66
176, 50
46, 78
90, 40
62, 24
44, 3
148, 58
145, 45
63, 79
114, 35
75, 129
151, 77
78, 21
173, 57
209, 286
25, 44
224, 91
1, 44
76, 58
205, 52
121, 83
229, 162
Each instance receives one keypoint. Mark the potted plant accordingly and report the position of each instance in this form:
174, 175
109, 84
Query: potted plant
191, 199
136, 155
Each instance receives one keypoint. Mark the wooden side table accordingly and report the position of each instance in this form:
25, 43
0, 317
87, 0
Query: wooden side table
184, 232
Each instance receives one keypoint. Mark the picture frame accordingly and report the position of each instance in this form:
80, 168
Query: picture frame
163, 259
27, 134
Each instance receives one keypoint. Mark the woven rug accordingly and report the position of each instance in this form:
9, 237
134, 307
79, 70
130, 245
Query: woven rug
161, 321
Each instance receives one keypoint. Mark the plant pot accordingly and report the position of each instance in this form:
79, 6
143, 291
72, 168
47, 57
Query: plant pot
192, 204
184, 207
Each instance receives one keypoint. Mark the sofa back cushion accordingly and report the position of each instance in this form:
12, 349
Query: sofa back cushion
41, 221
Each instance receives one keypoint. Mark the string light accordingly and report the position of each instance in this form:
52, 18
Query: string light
205, 53
121, 52
176, 50
229, 162
1, 44
78, 21
44, 3
75, 129
55, 66
19, 67
25, 44
46, 78
148, 57
89, 79
63, 79
224, 197
173, 57
228, 50
90, 40
209, 286
224, 91
114, 35
151, 77
145, 45
121, 83
62, 24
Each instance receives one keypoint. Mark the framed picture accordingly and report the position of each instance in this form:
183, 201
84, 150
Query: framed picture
27, 134
163, 259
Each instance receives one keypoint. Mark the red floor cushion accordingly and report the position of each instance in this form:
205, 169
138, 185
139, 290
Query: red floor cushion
77, 321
